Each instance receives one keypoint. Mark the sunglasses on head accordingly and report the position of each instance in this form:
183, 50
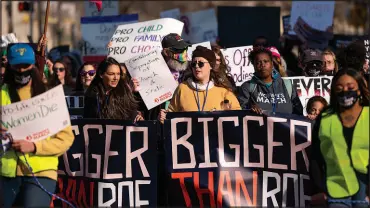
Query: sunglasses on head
199, 63
90, 73
58, 69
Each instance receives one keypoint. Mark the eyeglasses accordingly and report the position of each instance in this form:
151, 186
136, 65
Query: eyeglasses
199, 63
90, 73
58, 69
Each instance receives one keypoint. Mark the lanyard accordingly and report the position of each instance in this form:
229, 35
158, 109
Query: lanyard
205, 98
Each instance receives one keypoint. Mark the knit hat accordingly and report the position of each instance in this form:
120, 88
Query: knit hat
206, 53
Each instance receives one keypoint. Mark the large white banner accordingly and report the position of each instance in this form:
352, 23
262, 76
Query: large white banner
109, 8
37, 118
97, 32
157, 84
239, 65
200, 26
308, 87
317, 14
134, 39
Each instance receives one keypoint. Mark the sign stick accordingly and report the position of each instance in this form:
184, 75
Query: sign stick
46, 24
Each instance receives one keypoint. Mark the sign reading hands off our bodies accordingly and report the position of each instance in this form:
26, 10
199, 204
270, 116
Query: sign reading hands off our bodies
134, 39
37, 118
156, 81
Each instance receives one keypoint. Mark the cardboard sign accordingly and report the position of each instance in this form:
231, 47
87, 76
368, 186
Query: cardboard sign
317, 14
109, 8
37, 118
308, 87
157, 84
200, 26
172, 13
97, 31
237, 159
134, 39
238, 63
194, 46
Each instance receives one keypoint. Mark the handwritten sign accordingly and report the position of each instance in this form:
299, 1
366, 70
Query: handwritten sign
97, 31
156, 81
318, 14
172, 13
37, 118
194, 46
200, 26
109, 8
238, 63
308, 87
8, 38
134, 39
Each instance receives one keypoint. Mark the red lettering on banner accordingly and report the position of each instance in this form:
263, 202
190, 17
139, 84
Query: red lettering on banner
210, 190
91, 193
239, 183
221, 191
181, 177
82, 195
71, 185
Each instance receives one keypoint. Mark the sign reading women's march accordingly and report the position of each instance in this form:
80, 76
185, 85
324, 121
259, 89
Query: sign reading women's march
194, 46
237, 159
97, 31
109, 8
239, 66
37, 118
308, 87
111, 163
134, 39
317, 14
157, 84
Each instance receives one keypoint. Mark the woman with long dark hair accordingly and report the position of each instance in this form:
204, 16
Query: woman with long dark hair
109, 96
18, 174
85, 76
341, 135
62, 75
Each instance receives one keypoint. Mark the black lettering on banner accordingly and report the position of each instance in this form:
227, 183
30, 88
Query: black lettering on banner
237, 159
110, 164
116, 50
123, 31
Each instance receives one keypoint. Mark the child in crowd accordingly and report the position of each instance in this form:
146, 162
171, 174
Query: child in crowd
315, 105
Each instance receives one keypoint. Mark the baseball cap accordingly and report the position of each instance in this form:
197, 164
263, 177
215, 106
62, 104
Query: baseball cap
174, 40
311, 55
20, 53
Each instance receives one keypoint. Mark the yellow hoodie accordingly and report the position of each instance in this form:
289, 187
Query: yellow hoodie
185, 97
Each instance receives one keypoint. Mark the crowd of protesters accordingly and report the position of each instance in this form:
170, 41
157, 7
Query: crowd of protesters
340, 135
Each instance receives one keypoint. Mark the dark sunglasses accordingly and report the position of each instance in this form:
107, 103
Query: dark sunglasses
59, 69
199, 63
90, 73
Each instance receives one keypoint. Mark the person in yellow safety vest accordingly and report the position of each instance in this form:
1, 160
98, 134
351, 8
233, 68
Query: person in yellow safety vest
342, 135
25, 158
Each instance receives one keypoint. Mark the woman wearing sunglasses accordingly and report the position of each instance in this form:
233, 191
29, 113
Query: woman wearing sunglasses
203, 91
85, 75
62, 75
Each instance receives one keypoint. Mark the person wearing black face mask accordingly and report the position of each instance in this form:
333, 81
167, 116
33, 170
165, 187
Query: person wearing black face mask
311, 62
341, 135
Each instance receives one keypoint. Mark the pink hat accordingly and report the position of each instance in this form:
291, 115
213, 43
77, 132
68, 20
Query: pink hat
274, 51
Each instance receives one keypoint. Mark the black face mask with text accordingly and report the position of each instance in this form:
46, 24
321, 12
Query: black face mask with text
22, 78
347, 99
313, 69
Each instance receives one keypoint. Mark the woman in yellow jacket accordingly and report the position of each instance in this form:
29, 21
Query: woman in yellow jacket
342, 137
27, 165
203, 91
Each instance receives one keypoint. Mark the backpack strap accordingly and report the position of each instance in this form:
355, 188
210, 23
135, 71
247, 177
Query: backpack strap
289, 87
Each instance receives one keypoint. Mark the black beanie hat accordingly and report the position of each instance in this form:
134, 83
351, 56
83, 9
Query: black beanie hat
206, 53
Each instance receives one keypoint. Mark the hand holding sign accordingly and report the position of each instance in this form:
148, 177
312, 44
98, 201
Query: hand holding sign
24, 146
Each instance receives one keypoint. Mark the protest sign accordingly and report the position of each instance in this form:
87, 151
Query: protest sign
200, 26
238, 63
37, 118
75, 106
367, 46
111, 163
157, 84
317, 14
308, 87
194, 46
8, 38
109, 8
172, 13
97, 31
134, 39
235, 158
